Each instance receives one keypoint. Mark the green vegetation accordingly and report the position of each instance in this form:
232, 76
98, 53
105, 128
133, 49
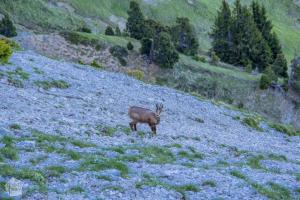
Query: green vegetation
155, 182
137, 74
274, 191
95, 163
119, 52
188, 44
76, 189
209, 183
15, 127
130, 46
7, 27
298, 177
253, 123
46, 85
289, 130
295, 78
5, 51
254, 162
238, 175
55, 171
96, 65
109, 31
157, 155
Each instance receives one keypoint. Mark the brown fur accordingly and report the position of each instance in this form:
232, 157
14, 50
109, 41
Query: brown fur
146, 116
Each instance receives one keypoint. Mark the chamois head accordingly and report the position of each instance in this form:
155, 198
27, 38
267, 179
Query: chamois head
159, 108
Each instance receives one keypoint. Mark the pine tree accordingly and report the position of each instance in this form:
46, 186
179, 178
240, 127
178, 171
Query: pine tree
118, 31
164, 52
7, 27
295, 74
130, 46
109, 31
248, 43
135, 23
221, 33
265, 26
184, 37
280, 66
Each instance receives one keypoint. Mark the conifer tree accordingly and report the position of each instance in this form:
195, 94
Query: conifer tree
109, 31
184, 37
164, 52
221, 33
135, 23
280, 66
7, 27
118, 31
295, 74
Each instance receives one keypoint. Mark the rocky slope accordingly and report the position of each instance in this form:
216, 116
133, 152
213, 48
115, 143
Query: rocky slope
64, 133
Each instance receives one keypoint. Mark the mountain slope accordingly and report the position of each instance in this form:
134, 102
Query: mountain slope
71, 14
71, 140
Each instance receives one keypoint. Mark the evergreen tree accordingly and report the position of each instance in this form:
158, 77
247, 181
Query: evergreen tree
221, 33
130, 46
146, 44
248, 43
265, 27
184, 37
164, 52
295, 74
280, 66
7, 27
118, 31
109, 31
135, 23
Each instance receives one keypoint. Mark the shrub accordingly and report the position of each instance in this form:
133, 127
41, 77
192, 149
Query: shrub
96, 65
138, 74
264, 82
109, 31
130, 46
248, 68
146, 44
199, 58
253, 123
7, 27
5, 51
119, 52
214, 58
85, 29
118, 31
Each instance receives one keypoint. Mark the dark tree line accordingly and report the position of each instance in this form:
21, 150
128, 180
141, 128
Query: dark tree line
161, 43
243, 36
7, 27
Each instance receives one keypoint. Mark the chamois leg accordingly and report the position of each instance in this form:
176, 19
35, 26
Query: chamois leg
153, 129
135, 127
132, 126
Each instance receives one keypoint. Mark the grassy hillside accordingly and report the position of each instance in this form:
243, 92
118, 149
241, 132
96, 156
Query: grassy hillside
71, 14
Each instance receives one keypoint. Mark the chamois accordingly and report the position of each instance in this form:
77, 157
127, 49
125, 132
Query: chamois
146, 116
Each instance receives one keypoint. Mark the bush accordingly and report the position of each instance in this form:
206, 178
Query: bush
119, 52
85, 29
5, 51
109, 31
96, 65
214, 58
7, 28
199, 58
118, 31
253, 123
138, 74
146, 44
130, 46
264, 82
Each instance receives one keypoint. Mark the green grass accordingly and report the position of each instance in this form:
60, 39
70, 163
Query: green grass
55, 171
9, 153
254, 162
238, 175
209, 183
76, 189
155, 182
15, 127
157, 155
253, 123
286, 129
273, 191
93, 163
46, 85
298, 177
